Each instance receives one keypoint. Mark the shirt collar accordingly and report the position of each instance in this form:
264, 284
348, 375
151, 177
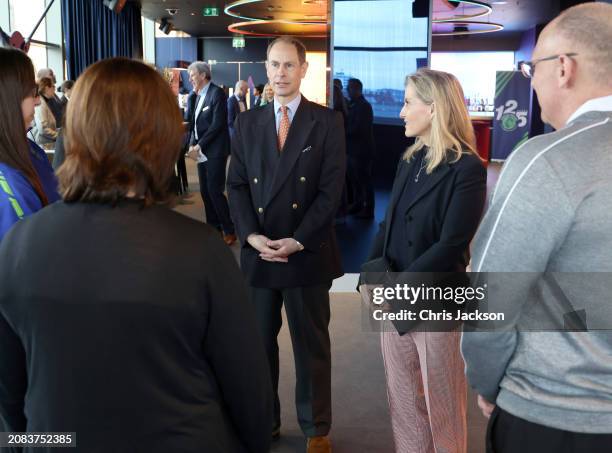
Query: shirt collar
204, 88
602, 104
292, 106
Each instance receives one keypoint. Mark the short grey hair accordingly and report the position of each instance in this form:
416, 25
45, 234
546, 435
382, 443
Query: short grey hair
202, 68
44, 72
587, 27
239, 83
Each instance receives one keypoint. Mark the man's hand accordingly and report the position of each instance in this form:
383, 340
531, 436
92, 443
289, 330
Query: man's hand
260, 243
193, 152
282, 248
485, 406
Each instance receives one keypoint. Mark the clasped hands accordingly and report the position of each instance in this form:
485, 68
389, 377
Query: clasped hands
194, 152
273, 251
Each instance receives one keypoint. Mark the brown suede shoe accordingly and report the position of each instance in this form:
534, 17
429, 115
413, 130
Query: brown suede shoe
318, 444
229, 239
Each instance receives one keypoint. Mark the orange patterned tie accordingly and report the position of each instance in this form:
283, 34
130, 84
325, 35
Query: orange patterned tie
283, 128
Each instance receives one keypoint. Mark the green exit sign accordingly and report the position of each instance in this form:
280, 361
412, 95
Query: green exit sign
238, 42
210, 12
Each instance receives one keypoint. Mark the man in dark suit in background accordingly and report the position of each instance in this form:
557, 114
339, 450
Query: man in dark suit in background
258, 93
236, 104
284, 184
209, 146
360, 151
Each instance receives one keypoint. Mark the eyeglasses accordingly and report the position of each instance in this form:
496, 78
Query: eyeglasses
528, 67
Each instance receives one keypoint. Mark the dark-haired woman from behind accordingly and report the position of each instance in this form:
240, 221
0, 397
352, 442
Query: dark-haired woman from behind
27, 182
101, 333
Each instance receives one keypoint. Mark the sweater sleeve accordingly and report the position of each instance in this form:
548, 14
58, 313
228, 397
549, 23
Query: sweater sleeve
17, 199
522, 229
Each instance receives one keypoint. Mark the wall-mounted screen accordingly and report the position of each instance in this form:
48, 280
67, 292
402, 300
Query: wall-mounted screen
476, 73
379, 48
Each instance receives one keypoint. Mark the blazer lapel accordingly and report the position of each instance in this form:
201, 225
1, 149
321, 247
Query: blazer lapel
206, 98
398, 188
438, 175
300, 129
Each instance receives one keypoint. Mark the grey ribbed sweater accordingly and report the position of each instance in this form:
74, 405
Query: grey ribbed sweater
551, 212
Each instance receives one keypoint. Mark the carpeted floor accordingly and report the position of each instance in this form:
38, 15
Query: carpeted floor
360, 412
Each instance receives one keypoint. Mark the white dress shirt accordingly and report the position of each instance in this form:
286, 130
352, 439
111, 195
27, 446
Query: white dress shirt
201, 157
602, 104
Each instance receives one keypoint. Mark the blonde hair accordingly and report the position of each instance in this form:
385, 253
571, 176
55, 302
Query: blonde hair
452, 133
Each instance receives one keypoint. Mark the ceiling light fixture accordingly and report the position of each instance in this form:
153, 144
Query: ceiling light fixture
486, 10
459, 29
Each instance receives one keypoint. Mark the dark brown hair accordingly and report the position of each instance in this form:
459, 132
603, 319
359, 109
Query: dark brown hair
299, 46
123, 134
17, 82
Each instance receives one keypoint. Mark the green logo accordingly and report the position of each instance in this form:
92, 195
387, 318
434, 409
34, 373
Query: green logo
509, 122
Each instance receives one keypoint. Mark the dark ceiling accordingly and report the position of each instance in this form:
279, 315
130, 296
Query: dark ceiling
515, 15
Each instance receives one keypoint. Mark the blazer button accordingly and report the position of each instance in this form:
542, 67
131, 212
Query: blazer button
260, 210
294, 206
302, 179
255, 180
410, 218
409, 243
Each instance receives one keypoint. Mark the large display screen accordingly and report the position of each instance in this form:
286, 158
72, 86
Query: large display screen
379, 43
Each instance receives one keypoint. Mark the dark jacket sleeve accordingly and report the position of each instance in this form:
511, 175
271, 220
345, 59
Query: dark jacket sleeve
13, 376
461, 221
239, 191
218, 124
232, 112
234, 348
322, 210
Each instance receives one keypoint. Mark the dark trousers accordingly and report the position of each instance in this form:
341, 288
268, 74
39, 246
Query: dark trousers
181, 169
308, 315
509, 434
212, 184
359, 172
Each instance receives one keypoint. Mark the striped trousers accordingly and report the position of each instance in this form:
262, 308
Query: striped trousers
427, 391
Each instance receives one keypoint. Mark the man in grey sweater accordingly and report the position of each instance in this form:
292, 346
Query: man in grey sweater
551, 212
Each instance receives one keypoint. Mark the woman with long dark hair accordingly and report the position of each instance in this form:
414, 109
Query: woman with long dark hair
27, 182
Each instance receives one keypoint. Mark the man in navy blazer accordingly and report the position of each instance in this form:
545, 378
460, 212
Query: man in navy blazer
284, 185
209, 146
236, 104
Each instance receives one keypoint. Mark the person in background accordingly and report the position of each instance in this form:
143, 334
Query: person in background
66, 90
46, 126
27, 181
236, 104
258, 93
549, 221
59, 155
101, 333
437, 200
54, 102
268, 95
210, 146
360, 151
339, 105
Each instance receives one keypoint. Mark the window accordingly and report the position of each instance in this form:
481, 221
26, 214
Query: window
380, 49
46, 45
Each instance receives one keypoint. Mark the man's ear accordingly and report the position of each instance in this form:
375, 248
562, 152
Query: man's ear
304, 69
566, 72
